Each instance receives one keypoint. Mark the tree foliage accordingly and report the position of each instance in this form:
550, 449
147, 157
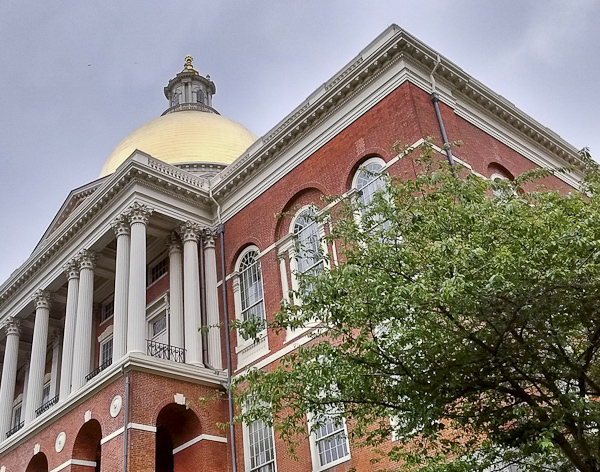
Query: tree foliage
464, 319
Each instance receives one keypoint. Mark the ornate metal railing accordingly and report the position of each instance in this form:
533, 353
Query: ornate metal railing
100, 368
46, 406
10, 432
165, 351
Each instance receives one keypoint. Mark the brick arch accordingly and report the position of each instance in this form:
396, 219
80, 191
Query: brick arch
176, 426
495, 168
351, 170
87, 443
305, 196
38, 463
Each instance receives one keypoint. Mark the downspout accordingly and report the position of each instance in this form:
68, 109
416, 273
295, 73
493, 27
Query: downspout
435, 99
125, 431
221, 231
203, 306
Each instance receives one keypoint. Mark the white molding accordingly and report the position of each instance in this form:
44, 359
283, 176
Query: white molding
202, 437
142, 427
64, 465
112, 435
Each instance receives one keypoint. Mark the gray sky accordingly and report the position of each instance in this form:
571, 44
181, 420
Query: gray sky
76, 77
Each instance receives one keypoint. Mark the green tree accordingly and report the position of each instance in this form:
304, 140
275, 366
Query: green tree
464, 319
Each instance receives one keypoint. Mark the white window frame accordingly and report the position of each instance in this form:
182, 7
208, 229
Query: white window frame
162, 258
293, 249
291, 245
314, 442
46, 388
248, 444
18, 406
382, 171
154, 310
105, 342
249, 350
109, 302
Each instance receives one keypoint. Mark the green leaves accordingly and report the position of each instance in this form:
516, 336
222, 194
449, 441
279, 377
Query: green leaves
472, 321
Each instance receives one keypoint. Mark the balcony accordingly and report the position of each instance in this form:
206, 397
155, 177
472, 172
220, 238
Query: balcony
12, 431
165, 351
46, 406
100, 368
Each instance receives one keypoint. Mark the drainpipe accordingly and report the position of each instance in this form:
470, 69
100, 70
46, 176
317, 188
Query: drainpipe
435, 99
221, 231
125, 431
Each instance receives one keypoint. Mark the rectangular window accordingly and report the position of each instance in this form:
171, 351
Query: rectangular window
261, 451
158, 270
46, 393
106, 351
108, 310
16, 420
329, 443
159, 326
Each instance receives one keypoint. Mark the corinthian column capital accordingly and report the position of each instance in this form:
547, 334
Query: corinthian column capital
86, 259
139, 213
173, 243
189, 231
120, 225
208, 238
71, 269
42, 299
12, 325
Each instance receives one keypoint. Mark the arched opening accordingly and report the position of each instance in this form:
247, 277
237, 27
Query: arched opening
38, 463
176, 426
87, 444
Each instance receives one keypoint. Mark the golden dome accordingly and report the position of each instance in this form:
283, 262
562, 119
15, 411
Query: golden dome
184, 136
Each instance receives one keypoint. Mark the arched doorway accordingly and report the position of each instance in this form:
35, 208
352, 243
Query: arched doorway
175, 426
87, 444
38, 463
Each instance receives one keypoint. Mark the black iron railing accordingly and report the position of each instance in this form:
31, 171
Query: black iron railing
165, 351
10, 432
46, 406
100, 368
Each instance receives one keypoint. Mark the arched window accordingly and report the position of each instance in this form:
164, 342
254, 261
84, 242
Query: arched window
309, 254
251, 290
250, 305
368, 179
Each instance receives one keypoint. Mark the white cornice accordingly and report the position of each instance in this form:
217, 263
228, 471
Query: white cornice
139, 168
393, 46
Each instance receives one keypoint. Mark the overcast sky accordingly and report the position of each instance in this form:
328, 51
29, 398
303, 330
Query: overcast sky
76, 77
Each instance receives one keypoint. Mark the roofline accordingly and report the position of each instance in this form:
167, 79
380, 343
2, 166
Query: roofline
392, 45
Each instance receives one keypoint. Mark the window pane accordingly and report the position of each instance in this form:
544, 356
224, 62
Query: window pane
251, 290
262, 453
369, 181
308, 246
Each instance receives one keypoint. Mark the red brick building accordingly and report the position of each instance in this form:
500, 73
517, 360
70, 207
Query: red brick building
104, 366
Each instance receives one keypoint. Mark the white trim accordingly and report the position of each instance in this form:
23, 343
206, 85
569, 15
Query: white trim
112, 435
74, 462
106, 333
202, 437
142, 427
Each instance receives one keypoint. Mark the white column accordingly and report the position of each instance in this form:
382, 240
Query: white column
66, 369
9, 374
191, 293
83, 328
55, 372
176, 291
215, 358
122, 231
136, 321
38, 354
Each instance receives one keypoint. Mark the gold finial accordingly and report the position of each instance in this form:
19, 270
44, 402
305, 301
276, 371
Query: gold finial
188, 62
